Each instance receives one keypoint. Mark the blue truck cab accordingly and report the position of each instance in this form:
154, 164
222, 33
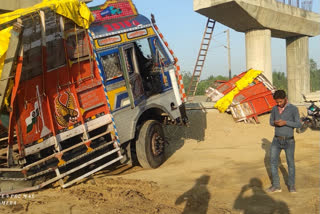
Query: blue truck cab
140, 80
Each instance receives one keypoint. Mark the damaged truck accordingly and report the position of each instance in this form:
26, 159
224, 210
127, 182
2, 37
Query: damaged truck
80, 90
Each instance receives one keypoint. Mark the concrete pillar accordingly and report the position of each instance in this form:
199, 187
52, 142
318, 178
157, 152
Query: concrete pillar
298, 68
258, 51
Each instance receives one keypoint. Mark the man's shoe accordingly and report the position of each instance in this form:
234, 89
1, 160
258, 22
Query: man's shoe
292, 189
273, 189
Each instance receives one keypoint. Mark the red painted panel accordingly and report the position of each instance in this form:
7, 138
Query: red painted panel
113, 10
260, 103
33, 118
229, 85
252, 90
74, 95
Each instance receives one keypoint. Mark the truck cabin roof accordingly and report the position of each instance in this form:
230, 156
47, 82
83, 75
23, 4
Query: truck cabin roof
101, 29
114, 17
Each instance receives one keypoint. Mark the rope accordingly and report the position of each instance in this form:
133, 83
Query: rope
78, 49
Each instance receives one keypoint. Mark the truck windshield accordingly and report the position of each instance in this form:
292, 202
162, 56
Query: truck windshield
144, 56
150, 53
144, 48
160, 55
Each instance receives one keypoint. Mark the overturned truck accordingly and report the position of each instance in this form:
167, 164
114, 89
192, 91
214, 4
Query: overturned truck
78, 95
246, 96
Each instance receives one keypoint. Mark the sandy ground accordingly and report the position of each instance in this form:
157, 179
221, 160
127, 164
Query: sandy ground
214, 166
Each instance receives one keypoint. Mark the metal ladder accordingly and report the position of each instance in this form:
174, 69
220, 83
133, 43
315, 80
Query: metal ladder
206, 39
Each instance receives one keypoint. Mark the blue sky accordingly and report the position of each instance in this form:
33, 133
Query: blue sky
183, 29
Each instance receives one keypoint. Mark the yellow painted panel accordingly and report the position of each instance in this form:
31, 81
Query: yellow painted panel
112, 96
150, 32
124, 38
116, 43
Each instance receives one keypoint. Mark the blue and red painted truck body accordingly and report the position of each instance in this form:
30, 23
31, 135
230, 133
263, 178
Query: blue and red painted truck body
87, 98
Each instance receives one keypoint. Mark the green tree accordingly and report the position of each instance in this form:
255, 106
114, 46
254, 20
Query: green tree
314, 76
280, 80
204, 84
186, 78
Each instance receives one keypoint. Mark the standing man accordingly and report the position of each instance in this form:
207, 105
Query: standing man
284, 117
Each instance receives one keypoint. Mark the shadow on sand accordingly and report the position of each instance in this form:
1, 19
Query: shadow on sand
258, 202
197, 198
176, 135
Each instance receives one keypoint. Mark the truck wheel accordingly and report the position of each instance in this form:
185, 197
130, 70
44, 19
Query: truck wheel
150, 145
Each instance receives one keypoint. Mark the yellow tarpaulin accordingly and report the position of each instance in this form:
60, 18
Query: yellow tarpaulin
72, 9
4, 43
223, 104
77, 11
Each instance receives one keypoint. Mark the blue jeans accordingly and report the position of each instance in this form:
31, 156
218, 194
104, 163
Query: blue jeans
276, 147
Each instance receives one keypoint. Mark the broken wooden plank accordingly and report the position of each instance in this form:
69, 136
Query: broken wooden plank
11, 57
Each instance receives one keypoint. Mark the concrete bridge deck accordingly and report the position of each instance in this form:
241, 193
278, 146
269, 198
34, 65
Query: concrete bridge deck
243, 15
262, 19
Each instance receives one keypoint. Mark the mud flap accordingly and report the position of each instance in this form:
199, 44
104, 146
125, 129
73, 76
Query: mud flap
183, 113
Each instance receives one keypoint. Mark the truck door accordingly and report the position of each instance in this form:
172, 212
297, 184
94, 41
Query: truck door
121, 77
131, 74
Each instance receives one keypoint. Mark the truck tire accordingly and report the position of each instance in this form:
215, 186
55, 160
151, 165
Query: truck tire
150, 145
